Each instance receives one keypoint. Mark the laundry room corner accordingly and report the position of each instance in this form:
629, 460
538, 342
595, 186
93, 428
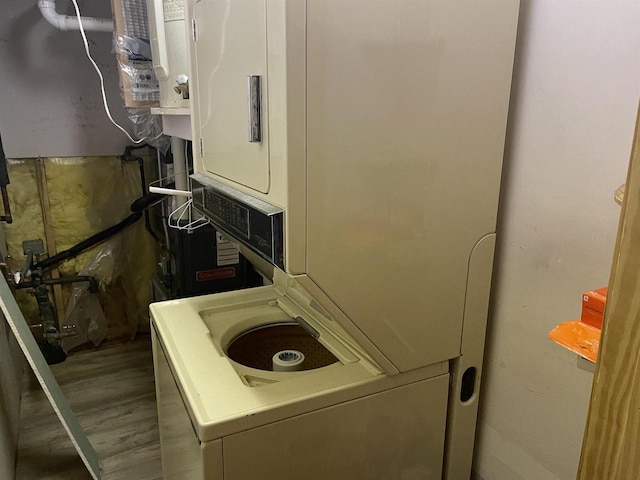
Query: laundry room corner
319, 239
571, 122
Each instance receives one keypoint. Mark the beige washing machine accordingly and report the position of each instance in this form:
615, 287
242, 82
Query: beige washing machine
226, 414
353, 150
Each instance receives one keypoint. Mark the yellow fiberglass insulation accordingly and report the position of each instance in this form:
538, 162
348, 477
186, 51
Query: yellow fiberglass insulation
27, 222
87, 195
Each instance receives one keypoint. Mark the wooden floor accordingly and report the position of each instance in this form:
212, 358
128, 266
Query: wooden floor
111, 390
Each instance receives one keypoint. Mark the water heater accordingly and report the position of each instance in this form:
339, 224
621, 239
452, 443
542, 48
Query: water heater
169, 48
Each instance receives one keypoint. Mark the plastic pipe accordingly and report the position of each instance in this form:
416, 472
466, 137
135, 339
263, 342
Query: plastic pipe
170, 191
66, 23
179, 169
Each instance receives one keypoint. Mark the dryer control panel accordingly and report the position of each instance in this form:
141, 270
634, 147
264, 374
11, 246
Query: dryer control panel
258, 224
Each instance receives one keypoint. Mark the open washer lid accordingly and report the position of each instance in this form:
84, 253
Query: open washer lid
391, 323
259, 227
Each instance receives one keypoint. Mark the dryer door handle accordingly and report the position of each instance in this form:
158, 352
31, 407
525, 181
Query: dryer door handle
254, 99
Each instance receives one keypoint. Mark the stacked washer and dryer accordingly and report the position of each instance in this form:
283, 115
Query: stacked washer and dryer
353, 150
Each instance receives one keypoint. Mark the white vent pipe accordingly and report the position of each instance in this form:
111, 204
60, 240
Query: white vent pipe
65, 22
180, 169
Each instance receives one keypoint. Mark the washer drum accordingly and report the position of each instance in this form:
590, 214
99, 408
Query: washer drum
256, 348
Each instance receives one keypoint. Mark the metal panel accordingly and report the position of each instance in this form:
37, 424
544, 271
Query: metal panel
11, 372
45, 377
406, 121
463, 407
396, 434
181, 452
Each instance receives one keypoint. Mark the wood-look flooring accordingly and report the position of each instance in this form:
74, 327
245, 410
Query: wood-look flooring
111, 391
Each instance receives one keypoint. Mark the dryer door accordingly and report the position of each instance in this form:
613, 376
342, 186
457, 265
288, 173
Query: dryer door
230, 65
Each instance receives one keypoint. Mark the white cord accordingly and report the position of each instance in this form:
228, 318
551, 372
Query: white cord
97, 69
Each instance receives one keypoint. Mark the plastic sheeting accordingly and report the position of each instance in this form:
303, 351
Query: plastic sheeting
140, 89
149, 126
138, 81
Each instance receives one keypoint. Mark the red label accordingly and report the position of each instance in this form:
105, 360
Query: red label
215, 274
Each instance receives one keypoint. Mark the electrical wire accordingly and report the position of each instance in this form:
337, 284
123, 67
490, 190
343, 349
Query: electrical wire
97, 69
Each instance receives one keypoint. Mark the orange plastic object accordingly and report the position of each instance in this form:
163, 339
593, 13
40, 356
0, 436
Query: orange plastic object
579, 337
593, 303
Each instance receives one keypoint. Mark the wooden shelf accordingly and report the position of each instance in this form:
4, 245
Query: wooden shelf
578, 337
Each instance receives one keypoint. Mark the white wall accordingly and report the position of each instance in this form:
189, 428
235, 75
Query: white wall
575, 95
50, 103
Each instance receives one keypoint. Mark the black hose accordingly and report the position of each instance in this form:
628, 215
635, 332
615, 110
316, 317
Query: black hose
143, 203
138, 207
131, 148
147, 220
89, 242
128, 157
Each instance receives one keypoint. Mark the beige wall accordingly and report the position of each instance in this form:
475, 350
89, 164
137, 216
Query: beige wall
11, 363
572, 115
